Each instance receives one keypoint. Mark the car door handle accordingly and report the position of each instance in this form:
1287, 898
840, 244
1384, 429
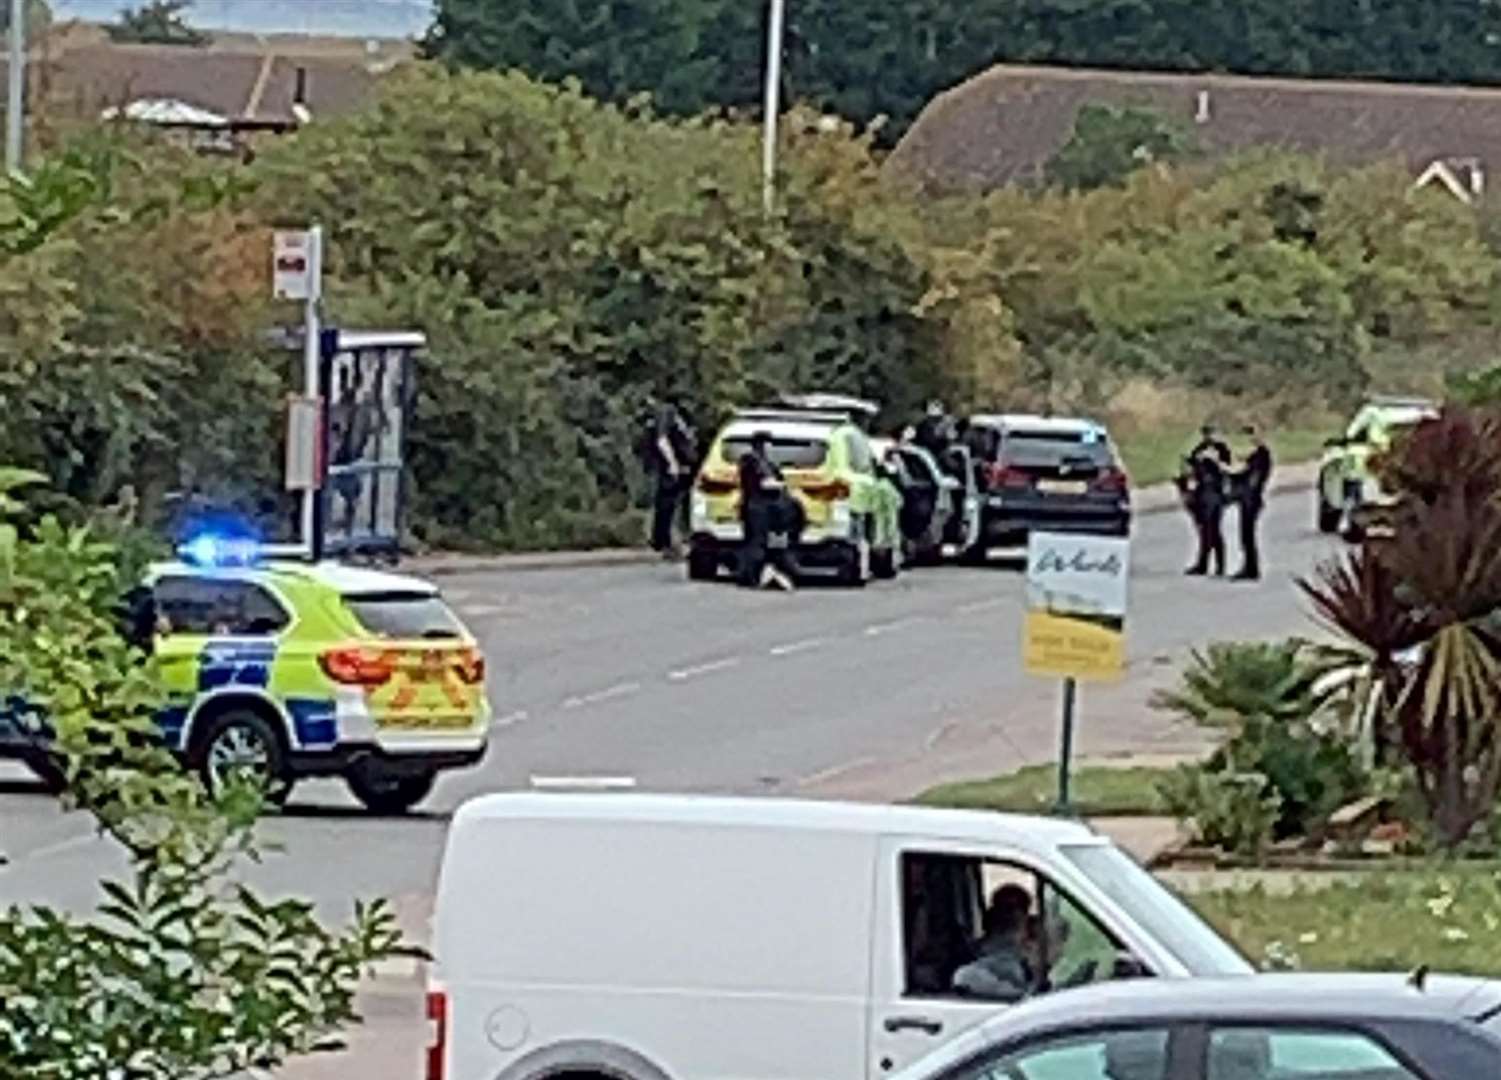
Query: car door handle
924, 1024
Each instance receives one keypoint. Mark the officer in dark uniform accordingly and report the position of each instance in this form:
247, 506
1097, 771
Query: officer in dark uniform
669, 455
765, 509
1207, 465
1251, 484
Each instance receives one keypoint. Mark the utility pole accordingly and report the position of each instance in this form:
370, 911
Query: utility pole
15, 104
775, 36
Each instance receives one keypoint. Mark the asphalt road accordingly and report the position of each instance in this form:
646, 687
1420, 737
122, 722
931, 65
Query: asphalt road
633, 672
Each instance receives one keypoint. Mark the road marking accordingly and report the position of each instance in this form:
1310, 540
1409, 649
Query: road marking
885, 628
939, 733
510, 720
62, 847
684, 674
607, 694
796, 647
826, 775
481, 611
583, 783
978, 606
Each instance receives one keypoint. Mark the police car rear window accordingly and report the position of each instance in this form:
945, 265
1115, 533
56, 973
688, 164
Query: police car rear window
404, 616
785, 453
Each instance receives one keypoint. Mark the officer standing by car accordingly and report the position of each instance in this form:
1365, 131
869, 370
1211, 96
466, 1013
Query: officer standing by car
764, 511
668, 454
1251, 483
1207, 464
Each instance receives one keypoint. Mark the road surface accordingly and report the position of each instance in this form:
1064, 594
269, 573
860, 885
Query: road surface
633, 672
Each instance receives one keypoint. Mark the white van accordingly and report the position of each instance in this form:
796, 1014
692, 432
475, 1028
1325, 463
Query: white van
638, 937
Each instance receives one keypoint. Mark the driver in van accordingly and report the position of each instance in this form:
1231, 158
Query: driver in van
1004, 970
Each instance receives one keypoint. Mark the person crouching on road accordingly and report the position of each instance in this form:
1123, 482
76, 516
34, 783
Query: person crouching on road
769, 521
1207, 464
1250, 483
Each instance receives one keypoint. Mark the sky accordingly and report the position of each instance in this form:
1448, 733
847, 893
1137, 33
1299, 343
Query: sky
356, 18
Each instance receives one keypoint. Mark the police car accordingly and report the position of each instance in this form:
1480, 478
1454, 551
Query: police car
282, 670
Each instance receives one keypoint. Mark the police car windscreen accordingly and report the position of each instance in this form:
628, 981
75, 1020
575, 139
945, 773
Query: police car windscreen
786, 452
404, 616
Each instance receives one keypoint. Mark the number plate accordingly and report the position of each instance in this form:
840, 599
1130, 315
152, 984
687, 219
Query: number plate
1062, 487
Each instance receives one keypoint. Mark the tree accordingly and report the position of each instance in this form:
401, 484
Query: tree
181, 974
1420, 613
1109, 143
157, 22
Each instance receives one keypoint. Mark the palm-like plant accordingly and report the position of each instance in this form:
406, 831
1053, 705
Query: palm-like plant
1420, 610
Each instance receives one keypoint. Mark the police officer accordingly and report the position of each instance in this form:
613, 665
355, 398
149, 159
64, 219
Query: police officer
764, 509
1251, 484
1207, 464
669, 455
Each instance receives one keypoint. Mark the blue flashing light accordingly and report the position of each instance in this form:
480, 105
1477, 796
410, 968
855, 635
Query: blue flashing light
209, 550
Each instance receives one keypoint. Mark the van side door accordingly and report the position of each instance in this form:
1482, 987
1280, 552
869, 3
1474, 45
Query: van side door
941, 963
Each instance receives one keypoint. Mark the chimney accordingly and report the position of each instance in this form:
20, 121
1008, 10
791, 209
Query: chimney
299, 90
1202, 116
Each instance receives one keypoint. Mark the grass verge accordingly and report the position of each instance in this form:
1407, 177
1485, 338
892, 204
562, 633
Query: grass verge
1446, 918
1096, 791
1153, 456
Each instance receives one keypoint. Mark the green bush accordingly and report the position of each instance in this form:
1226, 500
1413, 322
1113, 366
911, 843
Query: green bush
1234, 811
1278, 726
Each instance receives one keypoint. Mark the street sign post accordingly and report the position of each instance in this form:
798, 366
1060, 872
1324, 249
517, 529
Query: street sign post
1075, 621
297, 274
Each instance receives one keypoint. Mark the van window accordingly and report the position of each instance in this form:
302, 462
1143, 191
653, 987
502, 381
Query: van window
1160, 914
785, 452
996, 931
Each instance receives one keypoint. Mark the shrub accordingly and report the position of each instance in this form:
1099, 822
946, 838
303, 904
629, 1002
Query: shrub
1235, 811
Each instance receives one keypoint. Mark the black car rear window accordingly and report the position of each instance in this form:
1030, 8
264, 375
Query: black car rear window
1022, 447
404, 616
786, 453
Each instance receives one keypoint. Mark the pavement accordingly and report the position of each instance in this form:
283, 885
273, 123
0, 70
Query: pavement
628, 671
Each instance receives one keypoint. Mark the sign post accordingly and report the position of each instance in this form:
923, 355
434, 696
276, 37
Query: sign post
297, 274
1075, 622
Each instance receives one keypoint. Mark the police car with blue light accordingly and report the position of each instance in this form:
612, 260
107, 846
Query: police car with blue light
279, 669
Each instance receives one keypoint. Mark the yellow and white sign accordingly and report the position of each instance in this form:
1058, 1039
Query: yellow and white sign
1076, 606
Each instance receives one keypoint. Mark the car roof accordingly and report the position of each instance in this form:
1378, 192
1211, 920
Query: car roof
341, 578
1301, 996
1033, 422
1022, 830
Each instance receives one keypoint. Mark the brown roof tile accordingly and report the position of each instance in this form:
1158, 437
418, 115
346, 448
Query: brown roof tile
1003, 126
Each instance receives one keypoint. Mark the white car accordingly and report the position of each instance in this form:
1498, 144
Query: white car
641, 937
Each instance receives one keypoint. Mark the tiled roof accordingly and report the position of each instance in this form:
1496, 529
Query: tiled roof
1004, 125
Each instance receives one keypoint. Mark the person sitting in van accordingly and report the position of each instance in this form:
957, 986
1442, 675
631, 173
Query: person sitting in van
1003, 971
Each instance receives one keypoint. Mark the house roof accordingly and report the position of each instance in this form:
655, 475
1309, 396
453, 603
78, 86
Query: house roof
238, 76
1002, 126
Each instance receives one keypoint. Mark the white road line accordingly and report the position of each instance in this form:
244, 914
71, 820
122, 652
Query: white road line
978, 606
940, 733
825, 775
583, 783
607, 694
480, 611
510, 719
797, 647
684, 674
62, 847
885, 628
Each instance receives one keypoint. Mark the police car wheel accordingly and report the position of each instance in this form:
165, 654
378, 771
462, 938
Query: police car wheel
385, 792
242, 742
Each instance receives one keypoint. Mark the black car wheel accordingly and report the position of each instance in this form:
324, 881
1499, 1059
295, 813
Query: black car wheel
702, 566
1326, 517
240, 742
384, 791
